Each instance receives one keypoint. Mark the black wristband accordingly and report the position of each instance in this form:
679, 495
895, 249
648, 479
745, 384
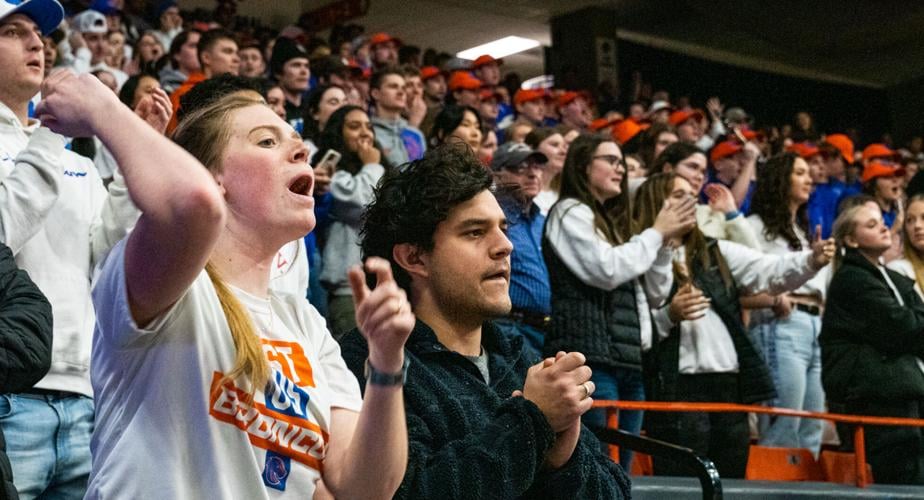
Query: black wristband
376, 377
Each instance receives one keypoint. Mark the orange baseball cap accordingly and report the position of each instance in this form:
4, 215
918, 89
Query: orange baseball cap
527, 95
878, 150
488, 92
878, 169
752, 134
602, 123
625, 130
724, 150
382, 38
843, 144
463, 80
568, 97
485, 60
680, 116
804, 150
428, 72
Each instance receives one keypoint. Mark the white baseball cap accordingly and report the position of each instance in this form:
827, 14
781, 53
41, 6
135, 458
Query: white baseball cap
659, 105
47, 14
90, 21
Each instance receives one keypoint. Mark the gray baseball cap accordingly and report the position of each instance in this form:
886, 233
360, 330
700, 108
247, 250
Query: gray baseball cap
514, 153
90, 21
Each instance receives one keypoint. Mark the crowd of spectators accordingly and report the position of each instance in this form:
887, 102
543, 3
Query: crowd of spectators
531, 249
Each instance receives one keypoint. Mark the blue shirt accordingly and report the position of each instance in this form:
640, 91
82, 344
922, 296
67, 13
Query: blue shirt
888, 216
745, 206
503, 111
824, 202
822, 208
529, 278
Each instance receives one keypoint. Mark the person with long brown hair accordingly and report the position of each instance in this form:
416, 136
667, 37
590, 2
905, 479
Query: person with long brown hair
654, 140
350, 132
702, 351
603, 278
872, 344
229, 388
785, 327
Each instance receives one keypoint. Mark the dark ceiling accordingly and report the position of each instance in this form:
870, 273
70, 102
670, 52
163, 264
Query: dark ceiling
869, 43
877, 43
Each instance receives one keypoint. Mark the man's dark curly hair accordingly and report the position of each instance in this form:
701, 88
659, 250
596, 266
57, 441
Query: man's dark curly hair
411, 201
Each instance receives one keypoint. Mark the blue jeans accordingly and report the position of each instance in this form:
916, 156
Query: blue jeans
617, 384
48, 442
790, 347
533, 337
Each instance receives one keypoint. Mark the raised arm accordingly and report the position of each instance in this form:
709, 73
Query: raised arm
182, 207
595, 261
756, 272
724, 222
598, 263
119, 214
742, 184
367, 456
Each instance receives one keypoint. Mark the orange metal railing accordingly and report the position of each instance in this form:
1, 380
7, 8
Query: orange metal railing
859, 421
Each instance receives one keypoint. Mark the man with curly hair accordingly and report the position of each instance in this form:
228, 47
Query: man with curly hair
485, 417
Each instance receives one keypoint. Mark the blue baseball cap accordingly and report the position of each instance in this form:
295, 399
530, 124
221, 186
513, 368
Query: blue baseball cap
47, 14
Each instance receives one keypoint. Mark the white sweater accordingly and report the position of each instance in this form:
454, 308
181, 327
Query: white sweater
904, 267
596, 262
705, 344
57, 218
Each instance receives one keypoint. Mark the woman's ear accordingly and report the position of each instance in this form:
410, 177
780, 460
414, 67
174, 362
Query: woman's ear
412, 259
219, 178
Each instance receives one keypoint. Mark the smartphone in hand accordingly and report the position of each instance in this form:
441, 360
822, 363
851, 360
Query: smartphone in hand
329, 161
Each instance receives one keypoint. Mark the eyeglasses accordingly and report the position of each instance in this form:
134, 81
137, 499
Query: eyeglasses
611, 159
522, 167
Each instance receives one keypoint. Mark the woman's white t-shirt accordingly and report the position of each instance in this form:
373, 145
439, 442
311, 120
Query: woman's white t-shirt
166, 427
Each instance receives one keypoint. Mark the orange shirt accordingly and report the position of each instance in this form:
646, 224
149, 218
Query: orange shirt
193, 80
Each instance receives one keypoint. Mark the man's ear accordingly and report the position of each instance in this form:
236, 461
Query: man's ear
411, 259
205, 59
374, 93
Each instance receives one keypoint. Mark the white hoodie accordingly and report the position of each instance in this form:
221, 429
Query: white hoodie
58, 219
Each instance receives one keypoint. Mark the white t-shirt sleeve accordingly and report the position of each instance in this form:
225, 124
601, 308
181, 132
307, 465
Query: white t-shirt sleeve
114, 320
344, 389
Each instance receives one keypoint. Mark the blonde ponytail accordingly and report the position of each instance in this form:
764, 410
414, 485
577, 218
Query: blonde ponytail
205, 134
248, 360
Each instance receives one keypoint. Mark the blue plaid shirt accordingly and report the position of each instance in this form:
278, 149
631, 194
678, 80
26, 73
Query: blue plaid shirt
529, 278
